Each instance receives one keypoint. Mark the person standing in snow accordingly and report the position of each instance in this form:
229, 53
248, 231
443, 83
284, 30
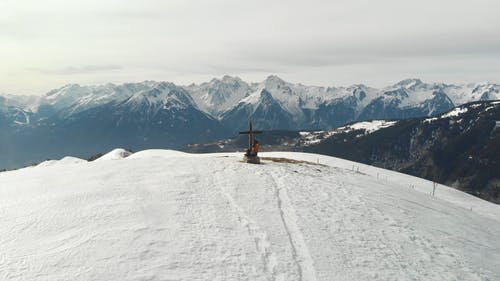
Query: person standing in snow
255, 148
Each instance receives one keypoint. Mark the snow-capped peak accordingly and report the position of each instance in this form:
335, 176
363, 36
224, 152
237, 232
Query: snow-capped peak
273, 81
163, 94
231, 79
219, 95
410, 83
487, 91
55, 93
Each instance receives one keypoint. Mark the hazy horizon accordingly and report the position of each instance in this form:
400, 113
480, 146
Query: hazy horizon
45, 45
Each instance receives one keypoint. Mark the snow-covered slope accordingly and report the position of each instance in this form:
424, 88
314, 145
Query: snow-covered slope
166, 215
364, 128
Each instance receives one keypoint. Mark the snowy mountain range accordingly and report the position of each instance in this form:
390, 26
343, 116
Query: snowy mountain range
90, 119
230, 97
167, 215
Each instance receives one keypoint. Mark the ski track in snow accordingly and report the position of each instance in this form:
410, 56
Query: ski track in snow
301, 254
185, 217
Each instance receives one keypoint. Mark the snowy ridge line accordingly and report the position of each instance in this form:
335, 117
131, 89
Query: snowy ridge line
301, 254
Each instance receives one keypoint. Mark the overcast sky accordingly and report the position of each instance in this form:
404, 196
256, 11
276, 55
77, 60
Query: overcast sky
45, 44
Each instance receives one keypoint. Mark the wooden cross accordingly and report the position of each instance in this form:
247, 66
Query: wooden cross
250, 133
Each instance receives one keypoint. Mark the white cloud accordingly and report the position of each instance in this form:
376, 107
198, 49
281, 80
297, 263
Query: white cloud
71, 70
183, 41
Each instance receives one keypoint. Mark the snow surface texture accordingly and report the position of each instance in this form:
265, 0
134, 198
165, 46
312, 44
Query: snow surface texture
167, 215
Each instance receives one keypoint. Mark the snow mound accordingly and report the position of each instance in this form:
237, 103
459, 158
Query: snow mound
64, 161
115, 154
167, 215
158, 153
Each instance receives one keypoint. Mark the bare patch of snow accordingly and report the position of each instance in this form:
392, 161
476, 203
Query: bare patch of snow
455, 112
430, 120
371, 126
